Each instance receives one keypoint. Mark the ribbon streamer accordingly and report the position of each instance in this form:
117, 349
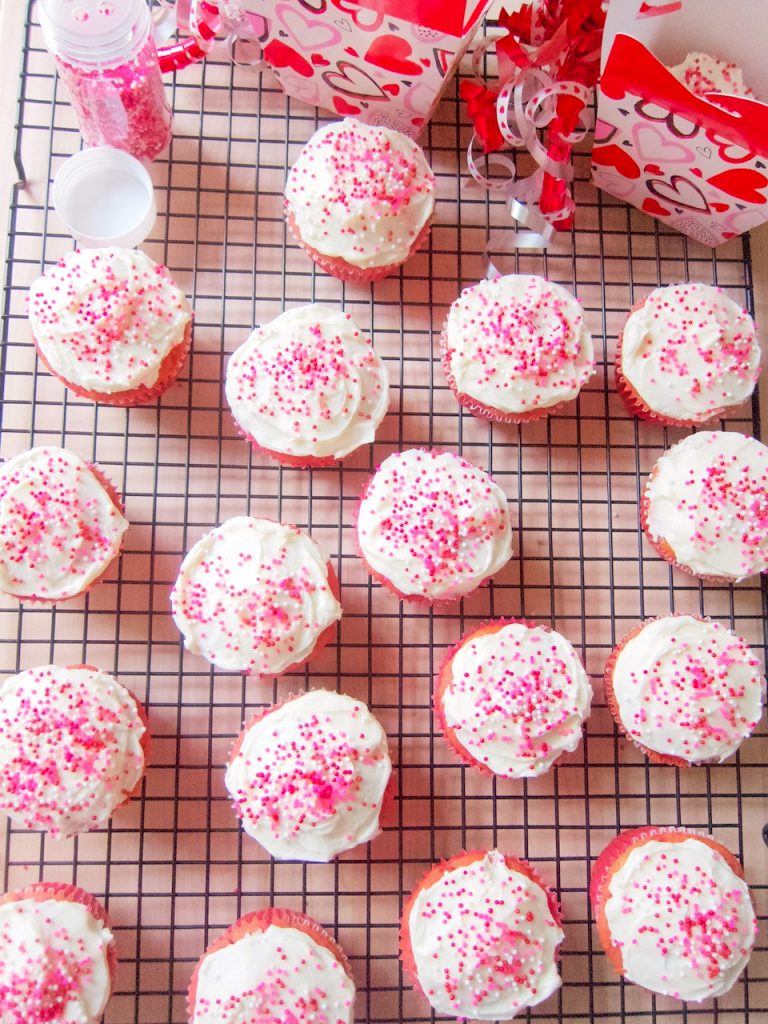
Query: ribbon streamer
548, 63
206, 21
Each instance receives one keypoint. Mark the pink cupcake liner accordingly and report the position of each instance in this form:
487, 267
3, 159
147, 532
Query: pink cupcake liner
141, 395
339, 268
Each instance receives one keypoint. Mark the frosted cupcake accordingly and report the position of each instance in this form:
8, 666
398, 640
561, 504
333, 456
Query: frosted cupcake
687, 354
480, 935
673, 912
61, 525
516, 348
685, 690
308, 388
111, 324
703, 73
73, 747
255, 596
272, 965
511, 697
308, 777
705, 506
57, 955
432, 527
360, 199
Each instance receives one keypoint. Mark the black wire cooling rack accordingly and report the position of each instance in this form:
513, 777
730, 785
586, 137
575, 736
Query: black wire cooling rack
173, 867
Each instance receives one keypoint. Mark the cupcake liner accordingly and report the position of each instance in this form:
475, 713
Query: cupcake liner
339, 268
435, 873
285, 459
117, 501
141, 395
67, 893
259, 921
489, 412
613, 857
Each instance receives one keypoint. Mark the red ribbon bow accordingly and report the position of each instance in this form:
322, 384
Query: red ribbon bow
561, 37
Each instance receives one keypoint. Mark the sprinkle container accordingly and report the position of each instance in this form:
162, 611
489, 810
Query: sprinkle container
106, 57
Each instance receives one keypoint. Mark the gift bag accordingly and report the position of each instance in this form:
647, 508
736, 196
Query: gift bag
699, 163
385, 62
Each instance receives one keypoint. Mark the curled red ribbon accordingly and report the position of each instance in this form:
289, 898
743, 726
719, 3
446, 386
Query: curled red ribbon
562, 39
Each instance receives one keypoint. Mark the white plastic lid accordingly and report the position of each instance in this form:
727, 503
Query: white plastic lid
105, 197
94, 31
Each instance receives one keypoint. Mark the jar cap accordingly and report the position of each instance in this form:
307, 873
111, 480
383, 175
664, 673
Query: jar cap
105, 197
94, 31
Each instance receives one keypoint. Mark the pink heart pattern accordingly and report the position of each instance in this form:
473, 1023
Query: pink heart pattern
362, 64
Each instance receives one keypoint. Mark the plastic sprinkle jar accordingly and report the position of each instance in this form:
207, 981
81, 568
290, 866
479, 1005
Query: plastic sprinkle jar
106, 57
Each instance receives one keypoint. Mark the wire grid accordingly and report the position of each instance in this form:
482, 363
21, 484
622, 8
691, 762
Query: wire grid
173, 867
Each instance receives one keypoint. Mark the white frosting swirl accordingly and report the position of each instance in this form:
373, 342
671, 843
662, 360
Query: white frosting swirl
516, 698
361, 192
517, 343
690, 352
435, 526
707, 497
59, 528
688, 688
70, 748
105, 319
309, 777
682, 919
253, 596
703, 73
308, 384
484, 941
53, 962
280, 974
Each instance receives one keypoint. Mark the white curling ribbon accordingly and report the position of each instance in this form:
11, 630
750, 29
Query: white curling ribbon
479, 52
500, 185
522, 193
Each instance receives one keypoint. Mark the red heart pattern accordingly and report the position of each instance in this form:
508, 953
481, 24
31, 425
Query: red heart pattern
344, 108
741, 183
280, 55
655, 208
614, 156
392, 53
356, 56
